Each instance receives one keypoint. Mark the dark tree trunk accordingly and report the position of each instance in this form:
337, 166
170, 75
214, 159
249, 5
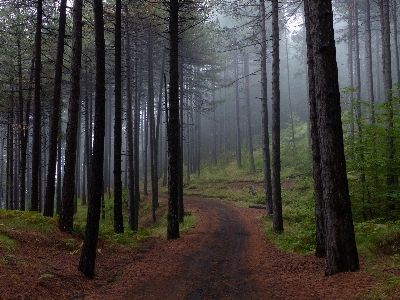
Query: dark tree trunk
264, 103
132, 220
368, 58
159, 116
37, 114
145, 144
181, 210
214, 143
59, 176
248, 114
341, 250
350, 66
78, 177
85, 141
395, 39
237, 115
388, 84
88, 256
118, 218
276, 124
136, 130
359, 121
68, 189
10, 151
316, 157
173, 129
289, 94
22, 131
55, 118
151, 121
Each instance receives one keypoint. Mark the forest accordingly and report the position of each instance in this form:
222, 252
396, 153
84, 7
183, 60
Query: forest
107, 103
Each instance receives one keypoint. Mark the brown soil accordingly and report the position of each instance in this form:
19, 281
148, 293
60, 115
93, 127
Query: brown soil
225, 256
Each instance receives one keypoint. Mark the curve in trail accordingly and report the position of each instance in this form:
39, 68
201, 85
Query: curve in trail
217, 271
205, 263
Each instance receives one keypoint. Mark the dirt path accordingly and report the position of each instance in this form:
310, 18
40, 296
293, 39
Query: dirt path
225, 256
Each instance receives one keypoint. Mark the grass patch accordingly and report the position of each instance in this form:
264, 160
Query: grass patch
27, 219
45, 276
6, 243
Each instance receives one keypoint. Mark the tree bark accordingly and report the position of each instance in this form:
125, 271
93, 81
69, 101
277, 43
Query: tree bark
68, 189
341, 250
276, 123
264, 104
132, 220
118, 217
237, 115
55, 119
388, 85
36, 153
368, 59
173, 129
316, 156
88, 256
248, 114
152, 137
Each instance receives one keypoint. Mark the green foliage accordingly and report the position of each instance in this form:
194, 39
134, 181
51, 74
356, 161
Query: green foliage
6, 243
27, 219
128, 238
367, 163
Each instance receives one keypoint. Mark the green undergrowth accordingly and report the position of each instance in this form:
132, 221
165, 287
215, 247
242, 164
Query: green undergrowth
129, 238
378, 239
13, 221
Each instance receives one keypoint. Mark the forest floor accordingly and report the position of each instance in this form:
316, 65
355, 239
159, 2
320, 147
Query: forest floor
225, 256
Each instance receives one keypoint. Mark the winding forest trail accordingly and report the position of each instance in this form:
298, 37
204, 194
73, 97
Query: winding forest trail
225, 256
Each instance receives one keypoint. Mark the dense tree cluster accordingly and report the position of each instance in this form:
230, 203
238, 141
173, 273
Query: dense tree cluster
101, 96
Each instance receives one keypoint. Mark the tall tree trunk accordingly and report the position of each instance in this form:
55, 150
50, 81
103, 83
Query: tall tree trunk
181, 211
152, 137
132, 220
388, 84
78, 159
88, 256
237, 115
350, 66
36, 153
341, 250
276, 123
359, 121
55, 118
59, 175
289, 94
395, 39
248, 114
21, 130
145, 146
118, 217
377, 71
68, 189
368, 59
264, 104
316, 156
136, 131
10, 149
173, 129
159, 116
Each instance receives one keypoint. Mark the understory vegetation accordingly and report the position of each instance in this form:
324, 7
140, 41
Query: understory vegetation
377, 233
378, 238
13, 222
